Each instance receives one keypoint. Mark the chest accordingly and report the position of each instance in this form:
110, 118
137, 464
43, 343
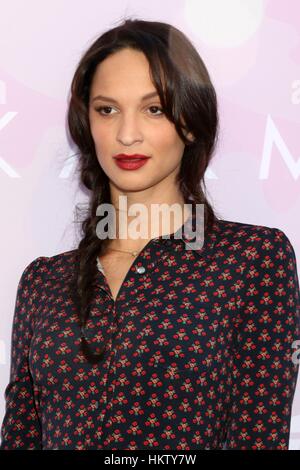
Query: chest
115, 269
177, 313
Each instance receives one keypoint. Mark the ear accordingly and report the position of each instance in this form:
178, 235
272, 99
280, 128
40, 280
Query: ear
189, 136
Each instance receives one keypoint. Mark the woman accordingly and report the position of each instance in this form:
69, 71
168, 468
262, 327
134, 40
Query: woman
142, 343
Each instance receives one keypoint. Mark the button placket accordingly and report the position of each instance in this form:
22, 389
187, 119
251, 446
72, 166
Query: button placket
140, 269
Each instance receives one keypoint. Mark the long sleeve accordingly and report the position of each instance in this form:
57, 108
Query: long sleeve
21, 427
264, 373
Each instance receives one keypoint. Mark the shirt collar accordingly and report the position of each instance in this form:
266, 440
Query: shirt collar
192, 233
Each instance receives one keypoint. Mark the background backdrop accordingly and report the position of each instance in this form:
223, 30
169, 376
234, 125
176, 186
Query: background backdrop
252, 51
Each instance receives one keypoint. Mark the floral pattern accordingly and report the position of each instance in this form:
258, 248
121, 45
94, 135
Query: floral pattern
199, 351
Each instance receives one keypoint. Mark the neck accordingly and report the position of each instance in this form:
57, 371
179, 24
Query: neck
150, 223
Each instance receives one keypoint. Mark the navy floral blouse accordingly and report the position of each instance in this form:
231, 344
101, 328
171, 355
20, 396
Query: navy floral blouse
200, 346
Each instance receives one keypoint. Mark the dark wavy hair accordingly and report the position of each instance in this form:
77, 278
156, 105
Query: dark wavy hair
188, 99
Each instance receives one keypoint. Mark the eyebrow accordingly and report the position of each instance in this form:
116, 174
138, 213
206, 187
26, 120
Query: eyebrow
112, 100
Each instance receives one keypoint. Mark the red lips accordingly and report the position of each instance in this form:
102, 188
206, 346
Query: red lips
131, 162
123, 156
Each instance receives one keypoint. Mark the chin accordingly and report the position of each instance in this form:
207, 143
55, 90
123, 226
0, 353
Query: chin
132, 183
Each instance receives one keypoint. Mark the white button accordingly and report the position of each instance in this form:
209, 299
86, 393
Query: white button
140, 269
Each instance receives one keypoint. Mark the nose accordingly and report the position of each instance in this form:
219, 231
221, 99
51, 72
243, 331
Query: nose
129, 131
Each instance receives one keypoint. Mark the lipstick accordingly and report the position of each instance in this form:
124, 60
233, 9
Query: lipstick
131, 162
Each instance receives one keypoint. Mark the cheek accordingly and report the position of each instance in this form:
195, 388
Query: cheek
99, 134
166, 137
170, 146
103, 142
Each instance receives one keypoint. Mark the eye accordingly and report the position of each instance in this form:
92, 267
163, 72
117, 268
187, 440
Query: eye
156, 107
100, 110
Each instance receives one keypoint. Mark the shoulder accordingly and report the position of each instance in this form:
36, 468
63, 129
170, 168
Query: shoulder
242, 236
239, 243
48, 267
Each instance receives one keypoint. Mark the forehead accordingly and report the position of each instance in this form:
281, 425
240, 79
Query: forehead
121, 71
110, 99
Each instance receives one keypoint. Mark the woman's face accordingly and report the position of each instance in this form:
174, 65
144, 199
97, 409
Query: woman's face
125, 123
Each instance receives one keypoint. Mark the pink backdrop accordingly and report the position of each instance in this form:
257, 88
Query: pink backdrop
252, 50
